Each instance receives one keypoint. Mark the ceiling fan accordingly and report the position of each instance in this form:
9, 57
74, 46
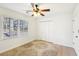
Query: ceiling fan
36, 10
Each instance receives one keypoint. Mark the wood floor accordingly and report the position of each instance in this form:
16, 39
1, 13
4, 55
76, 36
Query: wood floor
40, 48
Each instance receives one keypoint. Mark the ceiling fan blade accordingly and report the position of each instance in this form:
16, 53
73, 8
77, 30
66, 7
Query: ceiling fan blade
42, 14
32, 4
32, 14
44, 10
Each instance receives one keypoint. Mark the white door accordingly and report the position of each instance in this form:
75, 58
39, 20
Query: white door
76, 34
46, 30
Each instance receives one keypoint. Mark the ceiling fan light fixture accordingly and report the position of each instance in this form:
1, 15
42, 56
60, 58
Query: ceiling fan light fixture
37, 11
36, 14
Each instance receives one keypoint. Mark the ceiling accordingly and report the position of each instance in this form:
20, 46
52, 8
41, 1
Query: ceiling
54, 7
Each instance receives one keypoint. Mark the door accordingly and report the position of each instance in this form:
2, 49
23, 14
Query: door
46, 30
76, 34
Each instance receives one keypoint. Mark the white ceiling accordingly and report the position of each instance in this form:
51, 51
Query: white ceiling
54, 7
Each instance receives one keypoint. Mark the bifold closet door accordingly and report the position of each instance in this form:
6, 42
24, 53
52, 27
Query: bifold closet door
46, 30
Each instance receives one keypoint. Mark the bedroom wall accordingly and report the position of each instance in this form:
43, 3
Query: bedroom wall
56, 29
11, 43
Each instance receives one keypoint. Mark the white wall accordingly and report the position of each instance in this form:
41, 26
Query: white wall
11, 43
56, 29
